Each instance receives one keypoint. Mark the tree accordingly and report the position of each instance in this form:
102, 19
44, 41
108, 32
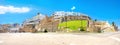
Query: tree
99, 31
95, 20
113, 24
82, 29
38, 13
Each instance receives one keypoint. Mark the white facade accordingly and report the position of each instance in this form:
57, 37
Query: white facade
58, 14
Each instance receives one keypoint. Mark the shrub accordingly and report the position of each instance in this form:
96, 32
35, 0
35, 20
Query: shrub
45, 31
82, 29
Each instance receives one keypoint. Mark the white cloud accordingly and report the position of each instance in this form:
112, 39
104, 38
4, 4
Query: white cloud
73, 8
12, 9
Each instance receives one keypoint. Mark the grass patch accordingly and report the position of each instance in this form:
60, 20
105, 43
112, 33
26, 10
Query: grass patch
73, 25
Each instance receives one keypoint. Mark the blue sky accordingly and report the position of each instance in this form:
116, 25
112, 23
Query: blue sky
106, 10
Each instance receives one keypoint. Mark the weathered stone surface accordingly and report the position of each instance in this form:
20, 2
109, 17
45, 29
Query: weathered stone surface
48, 23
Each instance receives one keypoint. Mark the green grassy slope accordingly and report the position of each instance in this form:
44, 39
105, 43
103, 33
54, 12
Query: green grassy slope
73, 25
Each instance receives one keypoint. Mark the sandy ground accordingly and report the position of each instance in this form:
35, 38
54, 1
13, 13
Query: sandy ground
59, 39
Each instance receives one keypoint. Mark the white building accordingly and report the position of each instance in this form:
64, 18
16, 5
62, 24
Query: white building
35, 20
58, 14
